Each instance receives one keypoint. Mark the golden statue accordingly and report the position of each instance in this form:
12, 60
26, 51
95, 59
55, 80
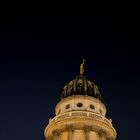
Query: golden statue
82, 67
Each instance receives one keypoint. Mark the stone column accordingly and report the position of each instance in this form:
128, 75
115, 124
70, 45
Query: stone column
70, 132
109, 138
87, 132
49, 138
102, 135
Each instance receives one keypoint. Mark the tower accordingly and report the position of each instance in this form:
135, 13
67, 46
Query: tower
80, 114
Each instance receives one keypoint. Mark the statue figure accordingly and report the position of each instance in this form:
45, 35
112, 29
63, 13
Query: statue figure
82, 67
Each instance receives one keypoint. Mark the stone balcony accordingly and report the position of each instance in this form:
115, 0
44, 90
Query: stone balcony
82, 114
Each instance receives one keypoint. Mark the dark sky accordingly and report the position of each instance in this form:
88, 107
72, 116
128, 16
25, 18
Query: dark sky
40, 54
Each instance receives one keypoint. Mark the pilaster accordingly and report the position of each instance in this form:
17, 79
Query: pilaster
87, 132
70, 132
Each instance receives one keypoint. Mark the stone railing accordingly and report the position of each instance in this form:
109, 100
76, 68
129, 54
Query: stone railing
80, 114
83, 114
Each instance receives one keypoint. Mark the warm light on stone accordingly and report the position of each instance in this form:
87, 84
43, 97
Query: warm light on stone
80, 115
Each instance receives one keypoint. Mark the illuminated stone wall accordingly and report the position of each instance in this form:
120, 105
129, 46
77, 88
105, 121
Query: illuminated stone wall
80, 117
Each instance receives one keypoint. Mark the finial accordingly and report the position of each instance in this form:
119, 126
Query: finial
82, 67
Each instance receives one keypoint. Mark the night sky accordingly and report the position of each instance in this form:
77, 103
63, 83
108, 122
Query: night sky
40, 54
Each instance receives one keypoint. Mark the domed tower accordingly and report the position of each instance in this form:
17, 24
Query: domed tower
81, 114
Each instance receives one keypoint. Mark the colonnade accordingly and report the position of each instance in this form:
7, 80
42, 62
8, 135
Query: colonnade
72, 134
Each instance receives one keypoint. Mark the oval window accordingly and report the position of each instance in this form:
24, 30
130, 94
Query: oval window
67, 106
92, 106
79, 104
101, 111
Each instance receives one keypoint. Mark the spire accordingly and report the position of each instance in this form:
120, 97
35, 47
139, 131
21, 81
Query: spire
82, 67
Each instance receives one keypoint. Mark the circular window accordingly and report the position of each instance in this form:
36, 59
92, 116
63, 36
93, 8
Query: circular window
92, 106
79, 104
67, 106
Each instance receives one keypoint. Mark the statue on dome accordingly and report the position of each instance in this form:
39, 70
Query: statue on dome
82, 67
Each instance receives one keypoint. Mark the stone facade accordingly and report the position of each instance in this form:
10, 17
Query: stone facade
80, 117
81, 114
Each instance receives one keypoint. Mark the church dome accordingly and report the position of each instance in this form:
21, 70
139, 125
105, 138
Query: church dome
81, 86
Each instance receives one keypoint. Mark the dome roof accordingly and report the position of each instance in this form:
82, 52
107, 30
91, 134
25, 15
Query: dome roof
81, 86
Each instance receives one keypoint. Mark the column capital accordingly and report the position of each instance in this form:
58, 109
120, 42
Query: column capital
70, 128
102, 133
56, 132
87, 128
